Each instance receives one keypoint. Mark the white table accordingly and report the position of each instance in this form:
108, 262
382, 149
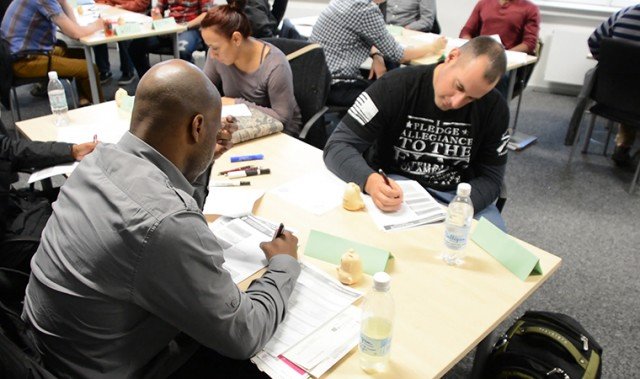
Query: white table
98, 38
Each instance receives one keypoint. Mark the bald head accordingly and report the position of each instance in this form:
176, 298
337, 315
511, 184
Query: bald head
484, 46
169, 95
177, 112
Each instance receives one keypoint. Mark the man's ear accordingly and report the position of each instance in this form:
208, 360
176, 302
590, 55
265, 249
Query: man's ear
453, 55
197, 127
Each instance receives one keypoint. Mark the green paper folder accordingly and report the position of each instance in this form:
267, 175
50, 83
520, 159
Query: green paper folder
330, 249
520, 261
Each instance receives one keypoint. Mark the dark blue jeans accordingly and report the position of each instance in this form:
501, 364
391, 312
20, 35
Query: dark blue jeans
102, 57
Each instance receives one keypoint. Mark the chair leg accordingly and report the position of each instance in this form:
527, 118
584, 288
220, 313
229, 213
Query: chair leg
587, 139
15, 107
610, 125
574, 146
635, 179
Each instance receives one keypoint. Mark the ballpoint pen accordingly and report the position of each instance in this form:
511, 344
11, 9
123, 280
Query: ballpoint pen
225, 172
385, 177
278, 232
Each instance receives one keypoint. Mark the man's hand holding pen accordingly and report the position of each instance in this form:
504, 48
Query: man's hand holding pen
283, 242
385, 193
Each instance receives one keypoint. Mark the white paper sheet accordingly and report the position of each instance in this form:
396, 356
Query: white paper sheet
516, 57
231, 201
323, 348
84, 133
316, 299
317, 192
63, 169
418, 208
237, 110
240, 241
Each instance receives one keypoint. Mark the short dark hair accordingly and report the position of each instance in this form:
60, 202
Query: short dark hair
228, 19
485, 45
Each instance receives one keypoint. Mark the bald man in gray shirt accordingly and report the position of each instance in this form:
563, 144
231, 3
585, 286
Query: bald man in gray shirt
129, 280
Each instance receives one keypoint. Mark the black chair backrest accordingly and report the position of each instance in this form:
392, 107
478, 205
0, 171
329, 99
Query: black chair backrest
524, 73
617, 83
311, 77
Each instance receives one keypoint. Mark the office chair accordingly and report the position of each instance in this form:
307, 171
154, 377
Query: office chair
522, 79
9, 83
311, 81
616, 91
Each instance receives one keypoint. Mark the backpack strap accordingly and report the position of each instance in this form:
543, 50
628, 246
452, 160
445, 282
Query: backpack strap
302, 51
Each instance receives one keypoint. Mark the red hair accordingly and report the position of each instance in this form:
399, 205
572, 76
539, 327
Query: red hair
228, 19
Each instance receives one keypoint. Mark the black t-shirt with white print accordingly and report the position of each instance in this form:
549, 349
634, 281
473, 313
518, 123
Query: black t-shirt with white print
412, 137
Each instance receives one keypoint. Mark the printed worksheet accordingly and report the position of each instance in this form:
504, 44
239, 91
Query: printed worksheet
418, 208
318, 192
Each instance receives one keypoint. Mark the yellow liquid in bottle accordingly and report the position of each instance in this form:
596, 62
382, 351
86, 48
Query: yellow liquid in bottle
375, 344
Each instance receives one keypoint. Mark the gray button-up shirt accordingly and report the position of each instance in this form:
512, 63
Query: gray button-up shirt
127, 262
412, 14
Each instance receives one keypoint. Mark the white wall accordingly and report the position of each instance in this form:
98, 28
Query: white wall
452, 14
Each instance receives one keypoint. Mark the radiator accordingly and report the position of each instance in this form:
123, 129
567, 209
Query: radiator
568, 56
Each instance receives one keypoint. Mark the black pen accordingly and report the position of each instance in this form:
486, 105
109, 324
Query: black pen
384, 176
278, 232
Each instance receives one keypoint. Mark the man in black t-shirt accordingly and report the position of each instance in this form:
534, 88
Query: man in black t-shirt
439, 125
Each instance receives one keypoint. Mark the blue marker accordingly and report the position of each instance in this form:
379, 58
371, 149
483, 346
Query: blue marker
244, 158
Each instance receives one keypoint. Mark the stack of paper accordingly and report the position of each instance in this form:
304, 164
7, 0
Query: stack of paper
418, 208
321, 326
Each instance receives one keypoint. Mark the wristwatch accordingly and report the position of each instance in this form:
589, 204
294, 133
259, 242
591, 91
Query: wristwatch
376, 53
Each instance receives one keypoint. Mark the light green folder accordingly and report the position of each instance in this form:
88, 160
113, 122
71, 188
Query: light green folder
502, 247
330, 249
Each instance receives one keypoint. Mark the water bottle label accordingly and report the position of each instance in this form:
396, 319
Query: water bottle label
57, 99
455, 240
375, 346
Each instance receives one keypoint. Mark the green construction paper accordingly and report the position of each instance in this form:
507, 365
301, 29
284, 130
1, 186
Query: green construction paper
520, 261
163, 23
330, 249
127, 28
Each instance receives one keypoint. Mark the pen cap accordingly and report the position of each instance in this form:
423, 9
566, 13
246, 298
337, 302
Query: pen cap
464, 189
381, 281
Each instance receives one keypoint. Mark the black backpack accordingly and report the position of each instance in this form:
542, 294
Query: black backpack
545, 345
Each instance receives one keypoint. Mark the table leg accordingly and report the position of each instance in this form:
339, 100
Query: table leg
518, 140
88, 55
176, 49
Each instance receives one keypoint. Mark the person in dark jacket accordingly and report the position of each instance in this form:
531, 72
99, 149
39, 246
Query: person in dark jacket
24, 213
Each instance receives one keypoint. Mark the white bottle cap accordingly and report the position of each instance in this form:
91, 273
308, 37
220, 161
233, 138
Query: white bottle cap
381, 281
464, 189
53, 75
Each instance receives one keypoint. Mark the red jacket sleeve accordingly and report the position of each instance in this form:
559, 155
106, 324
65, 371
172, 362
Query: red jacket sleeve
531, 29
139, 6
474, 23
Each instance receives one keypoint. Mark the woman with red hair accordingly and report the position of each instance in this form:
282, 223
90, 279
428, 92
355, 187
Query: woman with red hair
248, 70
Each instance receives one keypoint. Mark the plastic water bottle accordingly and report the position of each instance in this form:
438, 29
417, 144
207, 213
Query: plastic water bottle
457, 225
57, 100
377, 325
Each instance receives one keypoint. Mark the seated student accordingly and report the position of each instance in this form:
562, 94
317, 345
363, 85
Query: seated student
349, 31
624, 24
188, 12
128, 280
22, 215
29, 27
411, 14
102, 53
517, 22
248, 70
439, 125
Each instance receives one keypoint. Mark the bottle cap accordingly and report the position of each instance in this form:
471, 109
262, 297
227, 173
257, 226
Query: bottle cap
53, 75
381, 281
464, 189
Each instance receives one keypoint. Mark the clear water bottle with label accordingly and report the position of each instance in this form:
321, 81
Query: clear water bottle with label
57, 100
377, 325
457, 225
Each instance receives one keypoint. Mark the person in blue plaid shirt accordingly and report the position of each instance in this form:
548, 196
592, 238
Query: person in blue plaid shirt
352, 30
